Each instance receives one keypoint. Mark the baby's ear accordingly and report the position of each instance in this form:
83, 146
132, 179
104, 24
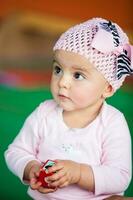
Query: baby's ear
109, 91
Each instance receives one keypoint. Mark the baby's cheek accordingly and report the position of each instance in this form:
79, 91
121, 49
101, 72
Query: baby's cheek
80, 97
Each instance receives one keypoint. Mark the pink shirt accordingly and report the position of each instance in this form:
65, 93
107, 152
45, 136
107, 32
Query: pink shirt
104, 144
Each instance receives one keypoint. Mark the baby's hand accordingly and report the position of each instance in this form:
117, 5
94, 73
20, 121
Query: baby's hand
31, 174
66, 172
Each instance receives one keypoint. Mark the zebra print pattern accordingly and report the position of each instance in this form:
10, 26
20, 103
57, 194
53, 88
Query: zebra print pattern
123, 65
123, 61
111, 28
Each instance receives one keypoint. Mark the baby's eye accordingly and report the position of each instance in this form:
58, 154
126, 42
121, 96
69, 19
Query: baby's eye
57, 70
78, 76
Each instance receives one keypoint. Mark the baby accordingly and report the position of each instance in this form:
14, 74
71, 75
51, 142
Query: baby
88, 139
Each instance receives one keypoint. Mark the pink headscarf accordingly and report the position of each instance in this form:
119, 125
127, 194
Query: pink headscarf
105, 45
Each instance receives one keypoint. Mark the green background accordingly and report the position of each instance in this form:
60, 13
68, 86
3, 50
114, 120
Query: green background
15, 105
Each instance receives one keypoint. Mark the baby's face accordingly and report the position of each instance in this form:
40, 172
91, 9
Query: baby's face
75, 83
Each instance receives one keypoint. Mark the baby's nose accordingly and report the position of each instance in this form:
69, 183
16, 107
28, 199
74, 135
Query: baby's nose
65, 82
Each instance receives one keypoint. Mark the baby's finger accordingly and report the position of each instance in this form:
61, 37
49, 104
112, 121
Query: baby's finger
60, 182
56, 176
34, 184
32, 174
55, 168
37, 173
64, 184
46, 190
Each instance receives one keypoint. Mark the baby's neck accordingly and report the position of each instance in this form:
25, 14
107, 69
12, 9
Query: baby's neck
81, 118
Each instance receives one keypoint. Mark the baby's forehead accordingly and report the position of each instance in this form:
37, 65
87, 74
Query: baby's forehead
73, 60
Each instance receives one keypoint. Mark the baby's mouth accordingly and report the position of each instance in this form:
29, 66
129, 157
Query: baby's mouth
62, 96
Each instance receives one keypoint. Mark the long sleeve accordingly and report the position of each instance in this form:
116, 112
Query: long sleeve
114, 174
24, 147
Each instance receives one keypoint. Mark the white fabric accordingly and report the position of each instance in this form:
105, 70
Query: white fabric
104, 144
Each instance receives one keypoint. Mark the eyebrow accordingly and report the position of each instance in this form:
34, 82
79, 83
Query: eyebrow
78, 68
54, 61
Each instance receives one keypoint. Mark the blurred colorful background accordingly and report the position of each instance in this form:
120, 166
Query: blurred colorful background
28, 31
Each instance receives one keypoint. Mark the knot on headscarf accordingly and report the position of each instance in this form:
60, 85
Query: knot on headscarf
106, 40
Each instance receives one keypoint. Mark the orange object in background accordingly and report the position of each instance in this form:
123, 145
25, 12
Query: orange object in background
120, 11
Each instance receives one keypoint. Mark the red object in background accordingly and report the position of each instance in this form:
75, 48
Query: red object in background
44, 172
25, 77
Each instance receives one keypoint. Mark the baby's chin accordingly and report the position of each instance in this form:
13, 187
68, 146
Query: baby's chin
66, 106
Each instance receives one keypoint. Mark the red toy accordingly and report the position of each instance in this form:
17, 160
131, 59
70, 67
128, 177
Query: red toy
44, 172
